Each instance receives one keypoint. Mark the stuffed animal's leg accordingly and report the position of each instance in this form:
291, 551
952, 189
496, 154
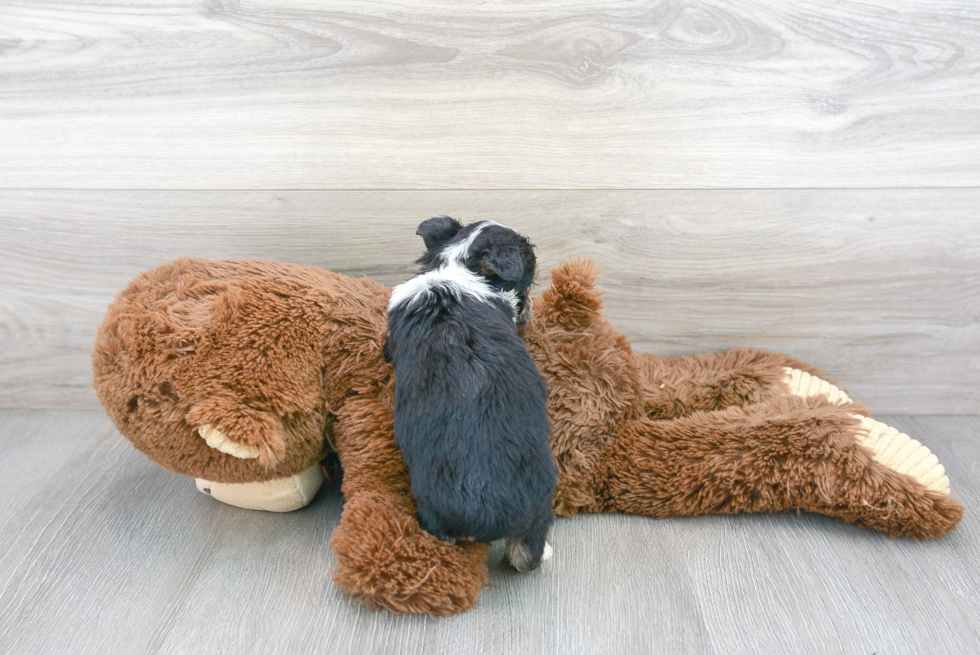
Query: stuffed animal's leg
678, 386
383, 556
791, 453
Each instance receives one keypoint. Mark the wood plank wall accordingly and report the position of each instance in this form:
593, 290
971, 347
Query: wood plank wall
802, 177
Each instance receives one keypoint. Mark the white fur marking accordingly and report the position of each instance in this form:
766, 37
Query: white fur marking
457, 252
511, 297
452, 275
458, 279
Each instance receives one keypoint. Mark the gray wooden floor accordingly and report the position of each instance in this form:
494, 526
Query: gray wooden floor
103, 552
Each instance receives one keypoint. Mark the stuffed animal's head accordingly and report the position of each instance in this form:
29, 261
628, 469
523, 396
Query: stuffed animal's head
500, 255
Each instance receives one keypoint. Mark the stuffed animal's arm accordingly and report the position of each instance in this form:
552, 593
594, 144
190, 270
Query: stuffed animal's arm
383, 556
792, 453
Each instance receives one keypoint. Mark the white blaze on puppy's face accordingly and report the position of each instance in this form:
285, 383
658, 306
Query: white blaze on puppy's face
452, 275
457, 251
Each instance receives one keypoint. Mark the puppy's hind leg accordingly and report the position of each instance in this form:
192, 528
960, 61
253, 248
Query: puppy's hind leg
526, 553
431, 524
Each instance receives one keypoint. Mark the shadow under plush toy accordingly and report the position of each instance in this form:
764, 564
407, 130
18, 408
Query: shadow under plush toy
244, 374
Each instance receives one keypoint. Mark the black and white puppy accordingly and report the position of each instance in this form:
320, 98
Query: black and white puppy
471, 415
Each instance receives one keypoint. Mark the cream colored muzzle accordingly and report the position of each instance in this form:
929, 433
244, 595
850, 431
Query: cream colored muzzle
280, 495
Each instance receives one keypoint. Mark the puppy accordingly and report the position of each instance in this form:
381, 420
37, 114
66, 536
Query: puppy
471, 416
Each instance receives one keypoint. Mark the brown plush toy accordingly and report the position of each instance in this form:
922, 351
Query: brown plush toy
244, 374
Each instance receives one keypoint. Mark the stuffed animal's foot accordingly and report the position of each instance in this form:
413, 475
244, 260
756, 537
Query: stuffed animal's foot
788, 454
895, 451
384, 558
280, 495
902, 454
902, 489
804, 385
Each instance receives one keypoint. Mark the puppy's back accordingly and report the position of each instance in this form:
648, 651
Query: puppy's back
471, 416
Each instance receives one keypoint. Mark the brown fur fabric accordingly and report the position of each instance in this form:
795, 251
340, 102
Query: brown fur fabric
289, 359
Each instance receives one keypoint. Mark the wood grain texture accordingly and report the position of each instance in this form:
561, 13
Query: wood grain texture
103, 552
881, 288
353, 94
777, 584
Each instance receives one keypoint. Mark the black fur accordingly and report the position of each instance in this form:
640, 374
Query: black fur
471, 413
436, 231
504, 258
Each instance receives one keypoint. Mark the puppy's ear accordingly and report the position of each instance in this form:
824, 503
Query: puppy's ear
438, 230
508, 262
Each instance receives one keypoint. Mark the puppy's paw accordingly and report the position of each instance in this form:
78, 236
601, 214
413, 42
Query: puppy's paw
521, 557
215, 439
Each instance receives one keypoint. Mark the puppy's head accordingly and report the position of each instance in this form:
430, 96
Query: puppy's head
504, 258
